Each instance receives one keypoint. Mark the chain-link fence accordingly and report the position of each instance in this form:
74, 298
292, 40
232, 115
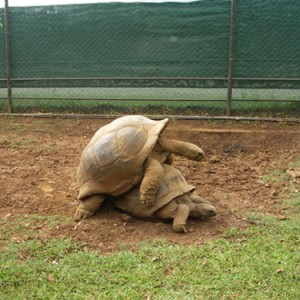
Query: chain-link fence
201, 57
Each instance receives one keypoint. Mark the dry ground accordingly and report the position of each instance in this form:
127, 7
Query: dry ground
39, 158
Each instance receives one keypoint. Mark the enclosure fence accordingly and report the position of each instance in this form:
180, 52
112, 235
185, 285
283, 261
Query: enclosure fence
195, 57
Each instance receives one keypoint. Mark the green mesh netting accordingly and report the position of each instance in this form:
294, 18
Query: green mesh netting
154, 40
120, 40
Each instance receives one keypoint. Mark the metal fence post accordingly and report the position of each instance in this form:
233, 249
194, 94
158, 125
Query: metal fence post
8, 64
231, 58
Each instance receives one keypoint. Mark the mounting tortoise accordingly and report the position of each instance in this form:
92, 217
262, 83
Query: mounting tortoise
174, 200
123, 153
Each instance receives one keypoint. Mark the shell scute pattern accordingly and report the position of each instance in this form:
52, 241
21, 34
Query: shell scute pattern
130, 141
112, 162
104, 152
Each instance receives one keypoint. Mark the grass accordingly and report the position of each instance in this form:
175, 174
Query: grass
275, 176
17, 127
293, 200
262, 262
197, 101
14, 143
25, 226
295, 163
48, 147
263, 109
261, 219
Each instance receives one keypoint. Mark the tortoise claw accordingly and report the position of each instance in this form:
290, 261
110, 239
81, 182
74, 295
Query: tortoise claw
180, 228
82, 213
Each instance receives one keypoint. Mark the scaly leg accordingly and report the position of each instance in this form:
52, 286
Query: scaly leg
188, 150
181, 216
88, 207
178, 212
153, 177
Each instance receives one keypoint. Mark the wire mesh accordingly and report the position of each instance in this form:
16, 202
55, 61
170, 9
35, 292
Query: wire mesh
157, 57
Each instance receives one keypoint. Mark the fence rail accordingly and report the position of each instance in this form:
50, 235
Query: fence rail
216, 51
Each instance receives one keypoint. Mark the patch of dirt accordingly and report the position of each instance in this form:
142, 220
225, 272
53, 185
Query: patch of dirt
39, 158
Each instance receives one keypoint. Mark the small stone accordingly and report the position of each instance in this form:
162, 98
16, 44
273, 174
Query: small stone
7, 216
280, 271
214, 160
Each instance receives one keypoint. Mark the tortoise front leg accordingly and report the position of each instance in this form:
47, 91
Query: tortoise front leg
88, 207
188, 150
153, 177
180, 218
178, 212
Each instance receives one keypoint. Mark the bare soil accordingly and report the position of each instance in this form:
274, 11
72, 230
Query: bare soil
39, 158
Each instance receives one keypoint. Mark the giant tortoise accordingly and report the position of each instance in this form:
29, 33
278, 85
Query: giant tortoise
174, 200
123, 153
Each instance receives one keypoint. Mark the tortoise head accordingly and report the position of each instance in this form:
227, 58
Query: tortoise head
202, 209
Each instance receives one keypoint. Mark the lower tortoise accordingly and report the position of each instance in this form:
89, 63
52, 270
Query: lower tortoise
174, 200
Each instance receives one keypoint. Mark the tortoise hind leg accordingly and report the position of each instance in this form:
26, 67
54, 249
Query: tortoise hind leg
88, 207
188, 150
153, 177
